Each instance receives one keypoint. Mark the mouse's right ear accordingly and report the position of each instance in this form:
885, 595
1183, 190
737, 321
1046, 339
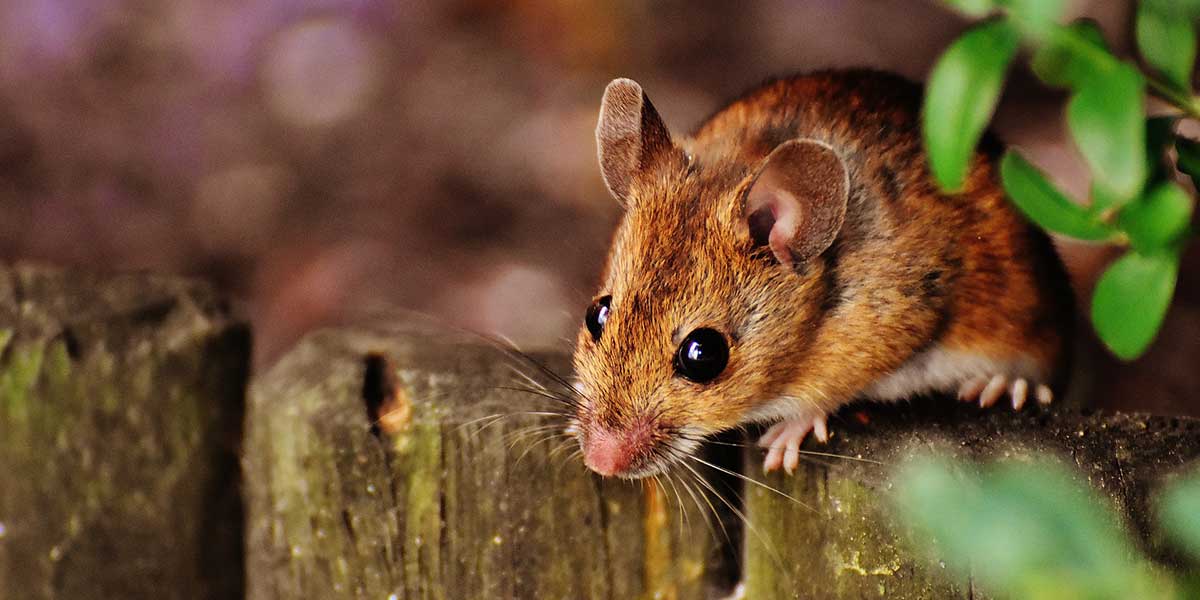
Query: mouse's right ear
630, 136
796, 203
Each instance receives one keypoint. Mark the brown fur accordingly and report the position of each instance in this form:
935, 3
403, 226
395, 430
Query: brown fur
910, 268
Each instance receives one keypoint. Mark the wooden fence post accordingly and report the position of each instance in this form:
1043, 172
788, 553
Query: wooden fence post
121, 402
389, 462
396, 461
845, 543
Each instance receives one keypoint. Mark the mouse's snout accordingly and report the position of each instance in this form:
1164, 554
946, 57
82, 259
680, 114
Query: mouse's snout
622, 452
607, 453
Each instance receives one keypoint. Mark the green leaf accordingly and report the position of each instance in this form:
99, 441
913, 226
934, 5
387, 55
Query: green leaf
1025, 530
1102, 199
1178, 510
1106, 120
1190, 9
1072, 55
1167, 40
1189, 158
1160, 135
972, 8
1043, 204
1036, 17
1157, 219
1131, 300
963, 89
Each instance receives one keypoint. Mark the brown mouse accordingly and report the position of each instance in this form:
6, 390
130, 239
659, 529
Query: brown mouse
795, 254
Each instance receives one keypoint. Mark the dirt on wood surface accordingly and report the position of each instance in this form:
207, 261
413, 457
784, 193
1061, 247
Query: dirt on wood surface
841, 505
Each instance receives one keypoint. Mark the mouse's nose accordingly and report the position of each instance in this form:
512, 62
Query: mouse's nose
607, 453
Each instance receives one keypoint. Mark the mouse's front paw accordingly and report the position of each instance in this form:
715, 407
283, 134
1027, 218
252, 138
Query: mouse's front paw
782, 441
989, 390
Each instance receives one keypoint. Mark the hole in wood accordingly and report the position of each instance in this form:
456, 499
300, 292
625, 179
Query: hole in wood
70, 343
388, 409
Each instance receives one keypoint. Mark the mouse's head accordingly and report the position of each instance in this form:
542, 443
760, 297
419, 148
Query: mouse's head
713, 287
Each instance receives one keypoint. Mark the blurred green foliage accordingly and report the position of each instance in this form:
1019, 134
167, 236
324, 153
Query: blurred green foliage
968, 79
1135, 201
1180, 507
1030, 530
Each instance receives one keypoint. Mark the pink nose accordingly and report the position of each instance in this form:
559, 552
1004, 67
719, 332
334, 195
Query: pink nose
607, 453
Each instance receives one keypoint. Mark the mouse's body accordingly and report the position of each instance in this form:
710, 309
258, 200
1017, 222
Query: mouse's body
795, 254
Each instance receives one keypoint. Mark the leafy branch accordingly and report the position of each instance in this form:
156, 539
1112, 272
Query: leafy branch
1135, 201
1029, 530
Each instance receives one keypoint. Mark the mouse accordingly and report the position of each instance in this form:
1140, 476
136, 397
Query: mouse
792, 255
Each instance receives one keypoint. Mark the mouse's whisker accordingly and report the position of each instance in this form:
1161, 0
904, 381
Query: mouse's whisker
496, 416
708, 513
545, 433
492, 419
753, 446
655, 482
514, 352
570, 458
522, 437
741, 515
556, 442
525, 432
510, 349
751, 481
713, 514
537, 428
684, 521
536, 387
710, 516
525, 377
539, 393
530, 446
762, 538
567, 442
435, 397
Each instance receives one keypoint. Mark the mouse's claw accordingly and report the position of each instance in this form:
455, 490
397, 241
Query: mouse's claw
969, 390
992, 391
989, 390
1018, 391
1044, 394
783, 439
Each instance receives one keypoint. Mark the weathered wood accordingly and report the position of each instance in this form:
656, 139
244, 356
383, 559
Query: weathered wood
440, 500
121, 402
391, 462
845, 545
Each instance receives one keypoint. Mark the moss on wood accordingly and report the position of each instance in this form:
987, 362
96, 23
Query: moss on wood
393, 461
472, 494
845, 544
120, 410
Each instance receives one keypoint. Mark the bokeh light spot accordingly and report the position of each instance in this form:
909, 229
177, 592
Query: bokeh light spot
518, 301
319, 72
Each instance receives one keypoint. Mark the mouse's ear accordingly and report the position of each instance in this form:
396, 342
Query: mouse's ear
630, 136
797, 201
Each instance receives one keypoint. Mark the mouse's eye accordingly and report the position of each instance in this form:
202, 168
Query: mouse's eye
702, 355
597, 315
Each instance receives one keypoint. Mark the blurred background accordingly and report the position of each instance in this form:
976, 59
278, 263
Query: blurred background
321, 159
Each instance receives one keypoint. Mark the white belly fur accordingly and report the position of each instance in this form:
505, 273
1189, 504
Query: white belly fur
936, 370
941, 370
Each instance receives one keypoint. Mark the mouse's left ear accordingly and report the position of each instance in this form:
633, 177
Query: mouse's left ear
630, 136
796, 203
